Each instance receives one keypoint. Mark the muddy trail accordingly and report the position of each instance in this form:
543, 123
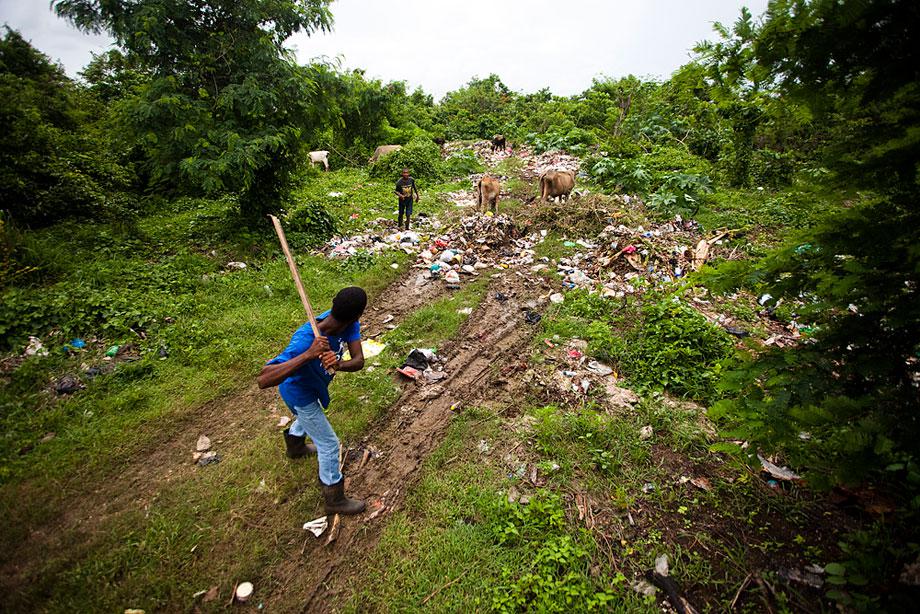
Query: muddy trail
488, 348
76, 517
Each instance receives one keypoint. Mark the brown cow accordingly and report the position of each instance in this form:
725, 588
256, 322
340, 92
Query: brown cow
383, 150
556, 184
498, 143
487, 190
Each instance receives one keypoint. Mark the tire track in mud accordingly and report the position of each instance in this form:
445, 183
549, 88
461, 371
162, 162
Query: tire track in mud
496, 333
81, 514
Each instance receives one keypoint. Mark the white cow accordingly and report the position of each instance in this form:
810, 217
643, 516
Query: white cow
320, 157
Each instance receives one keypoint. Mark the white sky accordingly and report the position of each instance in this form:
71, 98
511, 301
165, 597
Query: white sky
442, 44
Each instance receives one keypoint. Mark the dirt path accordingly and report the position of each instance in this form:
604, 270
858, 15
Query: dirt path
494, 337
76, 517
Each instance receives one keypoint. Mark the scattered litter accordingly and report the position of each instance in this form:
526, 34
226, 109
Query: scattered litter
501, 298
35, 348
208, 458
434, 376
335, 194
112, 351
394, 266
556, 298
409, 372
702, 483
599, 368
244, 592
203, 444
68, 385
532, 317
646, 588
661, 565
452, 278
737, 332
284, 420
239, 266
808, 578
465, 311
317, 526
648, 487
780, 473
371, 348
645, 433
48, 436
75, 344
483, 446
420, 359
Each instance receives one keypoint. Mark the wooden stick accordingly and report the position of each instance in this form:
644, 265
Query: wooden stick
296, 275
451, 583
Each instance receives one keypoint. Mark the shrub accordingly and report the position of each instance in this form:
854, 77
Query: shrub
463, 163
421, 156
676, 348
310, 225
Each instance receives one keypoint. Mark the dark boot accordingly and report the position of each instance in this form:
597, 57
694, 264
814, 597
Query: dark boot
338, 503
297, 447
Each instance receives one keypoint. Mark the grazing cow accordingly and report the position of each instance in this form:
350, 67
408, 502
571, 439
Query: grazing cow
320, 157
487, 190
556, 184
498, 143
383, 150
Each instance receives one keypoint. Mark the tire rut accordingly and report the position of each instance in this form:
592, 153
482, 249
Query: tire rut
415, 426
83, 514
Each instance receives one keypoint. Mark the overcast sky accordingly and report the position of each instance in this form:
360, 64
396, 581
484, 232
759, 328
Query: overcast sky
442, 44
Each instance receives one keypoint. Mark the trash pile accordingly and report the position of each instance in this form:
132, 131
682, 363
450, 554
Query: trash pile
423, 365
482, 149
476, 242
381, 235
573, 374
538, 164
657, 254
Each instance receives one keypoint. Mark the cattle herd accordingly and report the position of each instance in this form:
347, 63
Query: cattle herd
554, 184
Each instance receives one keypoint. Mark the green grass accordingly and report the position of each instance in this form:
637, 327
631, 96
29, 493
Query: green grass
459, 545
219, 525
168, 281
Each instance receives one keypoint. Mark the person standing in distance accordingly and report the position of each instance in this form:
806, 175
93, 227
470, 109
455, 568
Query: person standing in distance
405, 188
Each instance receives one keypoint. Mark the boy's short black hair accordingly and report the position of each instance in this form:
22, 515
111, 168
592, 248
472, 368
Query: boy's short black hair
349, 304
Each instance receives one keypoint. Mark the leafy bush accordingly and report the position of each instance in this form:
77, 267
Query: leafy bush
556, 580
463, 163
421, 156
53, 163
574, 140
676, 348
773, 169
310, 225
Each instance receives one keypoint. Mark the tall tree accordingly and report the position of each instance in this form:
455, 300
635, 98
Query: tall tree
226, 106
844, 403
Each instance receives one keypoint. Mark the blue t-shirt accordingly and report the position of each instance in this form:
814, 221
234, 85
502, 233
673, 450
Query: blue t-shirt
311, 382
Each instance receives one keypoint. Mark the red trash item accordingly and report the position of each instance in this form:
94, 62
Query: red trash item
575, 354
409, 372
629, 249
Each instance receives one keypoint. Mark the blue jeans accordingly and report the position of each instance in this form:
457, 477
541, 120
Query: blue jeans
311, 421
